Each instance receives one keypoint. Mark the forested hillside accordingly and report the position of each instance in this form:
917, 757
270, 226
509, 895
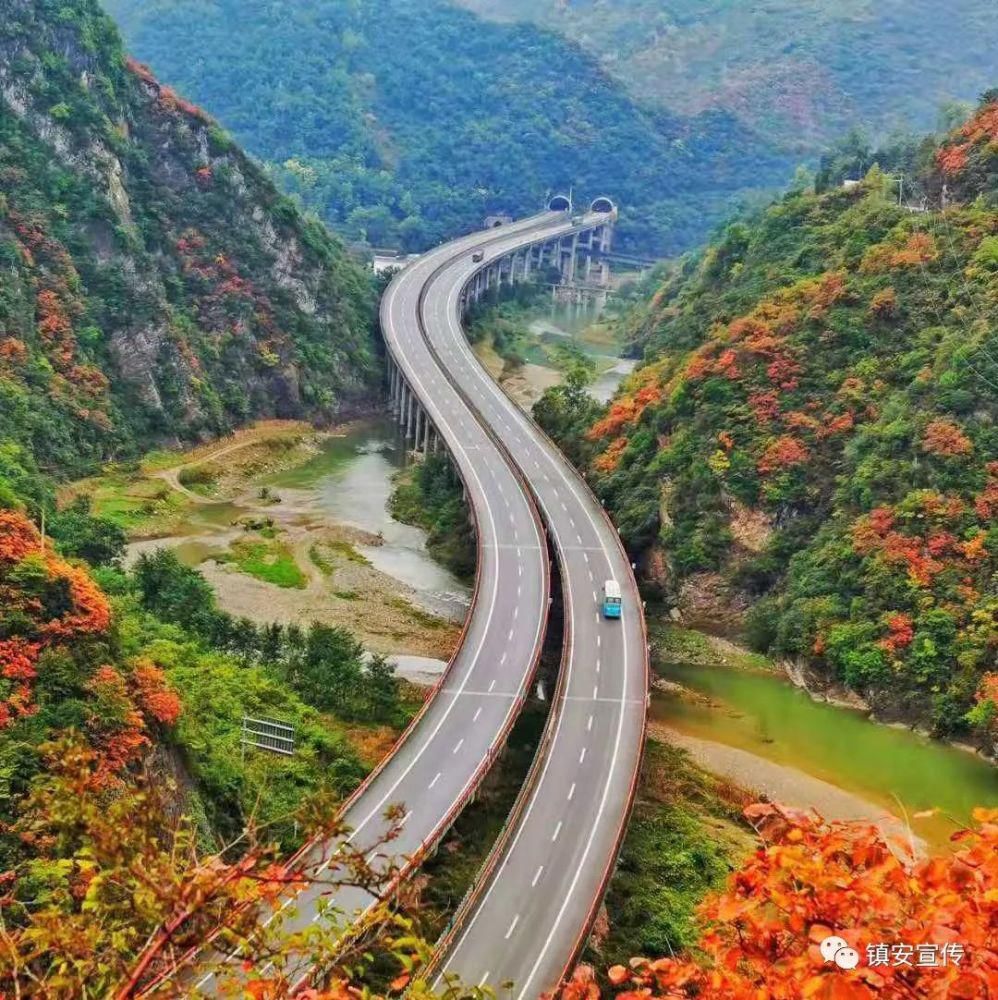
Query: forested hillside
801, 71
811, 446
156, 286
405, 123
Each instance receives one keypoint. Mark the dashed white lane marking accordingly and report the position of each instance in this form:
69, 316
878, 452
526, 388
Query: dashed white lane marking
405, 818
571, 792
516, 614
502, 660
599, 640
595, 691
512, 926
436, 779
557, 830
481, 982
589, 724
458, 745
585, 555
492, 686
509, 635
537, 876
478, 712
595, 596
582, 756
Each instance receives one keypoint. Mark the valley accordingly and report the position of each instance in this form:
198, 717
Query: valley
541, 619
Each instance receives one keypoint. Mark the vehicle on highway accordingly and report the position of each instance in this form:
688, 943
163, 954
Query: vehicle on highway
611, 599
478, 256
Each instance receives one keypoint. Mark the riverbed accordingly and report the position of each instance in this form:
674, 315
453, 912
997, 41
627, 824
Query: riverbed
351, 479
325, 515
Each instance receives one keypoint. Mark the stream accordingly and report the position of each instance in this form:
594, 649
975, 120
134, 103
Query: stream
352, 479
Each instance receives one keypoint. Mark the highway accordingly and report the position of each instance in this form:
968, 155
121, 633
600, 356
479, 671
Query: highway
529, 917
530, 911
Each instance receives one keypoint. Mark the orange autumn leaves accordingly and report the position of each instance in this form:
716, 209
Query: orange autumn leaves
980, 131
82, 610
921, 545
812, 879
58, 311
48, 606
754, 352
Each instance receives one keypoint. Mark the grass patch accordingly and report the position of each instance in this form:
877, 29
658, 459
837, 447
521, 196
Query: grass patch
140, 506
198, 479
675, 644
323, 565
418, 615
348, 552
270, 561
346, 595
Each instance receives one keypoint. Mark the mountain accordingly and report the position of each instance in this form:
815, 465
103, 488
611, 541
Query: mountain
155, 284
154, 287
801, 72
810, 448
405, 123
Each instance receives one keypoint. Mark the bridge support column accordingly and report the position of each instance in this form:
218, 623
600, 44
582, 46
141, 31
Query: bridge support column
569, 272
427, 431
410, 407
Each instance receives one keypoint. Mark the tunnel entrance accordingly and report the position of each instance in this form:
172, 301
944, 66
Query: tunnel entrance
560, 203
603, 205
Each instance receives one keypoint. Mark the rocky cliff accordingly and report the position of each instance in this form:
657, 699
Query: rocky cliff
153, 283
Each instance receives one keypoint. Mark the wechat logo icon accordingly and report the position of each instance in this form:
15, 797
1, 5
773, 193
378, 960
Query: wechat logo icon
837, 950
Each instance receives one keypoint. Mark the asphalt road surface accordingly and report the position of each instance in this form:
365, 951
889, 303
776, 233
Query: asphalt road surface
434, 770
532, 913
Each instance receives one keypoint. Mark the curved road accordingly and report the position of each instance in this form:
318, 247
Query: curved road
529, 917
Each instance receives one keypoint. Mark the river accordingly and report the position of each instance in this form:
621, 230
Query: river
764, 714
352, 479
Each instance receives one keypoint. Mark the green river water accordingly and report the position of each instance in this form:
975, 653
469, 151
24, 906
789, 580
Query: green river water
766, 715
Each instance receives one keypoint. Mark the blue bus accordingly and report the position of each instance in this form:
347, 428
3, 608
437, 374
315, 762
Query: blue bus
611, 599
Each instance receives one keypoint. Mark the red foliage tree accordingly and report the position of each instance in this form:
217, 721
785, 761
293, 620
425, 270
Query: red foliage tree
784, 452
945, 438
812, 880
